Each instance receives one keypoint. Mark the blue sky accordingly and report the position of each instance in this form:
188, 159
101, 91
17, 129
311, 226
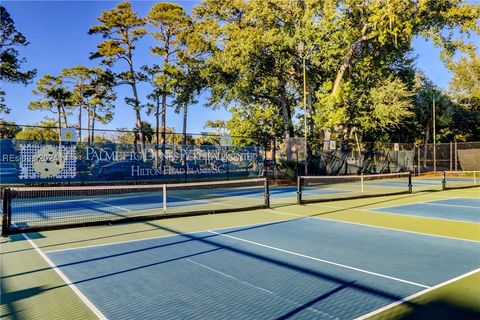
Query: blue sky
57, 31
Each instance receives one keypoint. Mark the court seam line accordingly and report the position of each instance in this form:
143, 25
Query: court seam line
248, 284
413, 296
109, 205
429, 202
423, 217
322, 260
373, 226
67, 281
397, 205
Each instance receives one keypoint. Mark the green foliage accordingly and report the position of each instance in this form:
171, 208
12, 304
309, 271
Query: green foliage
465, 84
8, 129
10, 62
168, 20
45, 131
54, 97
121, 28
352, 50
254, 125
391, 104
288, 168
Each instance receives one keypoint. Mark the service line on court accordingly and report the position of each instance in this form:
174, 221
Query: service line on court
321, 260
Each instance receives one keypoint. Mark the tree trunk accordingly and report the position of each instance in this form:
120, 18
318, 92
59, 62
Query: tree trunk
157, 123
79, 126
88, 125
287, 122
138, 121
94, 111
164, 128
426, 133
59, 122
64, 116
184, 128
164, 103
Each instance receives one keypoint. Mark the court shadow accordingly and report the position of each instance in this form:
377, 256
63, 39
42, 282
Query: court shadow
312, 302
9, 299
19, 237
434, 310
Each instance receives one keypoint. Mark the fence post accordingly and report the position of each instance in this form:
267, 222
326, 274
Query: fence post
299, 190
456, 156
164, 189
410, 185
6, 212
266, 193
418, 159
451, 156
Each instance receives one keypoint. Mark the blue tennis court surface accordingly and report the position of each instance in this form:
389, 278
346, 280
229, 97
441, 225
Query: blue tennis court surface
306, 268
461, 209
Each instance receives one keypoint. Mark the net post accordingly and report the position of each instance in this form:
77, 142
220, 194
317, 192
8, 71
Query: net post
444, 181
7, 213
451, 156
266, 193
164, 190
475, 177
299, 190
410, 185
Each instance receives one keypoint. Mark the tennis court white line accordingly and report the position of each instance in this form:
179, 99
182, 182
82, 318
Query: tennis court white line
449, 205
109, 205
321, 260
378, 210
425, 217
378, 227
396, 303
72, 286
266, 224
248, 284
428, 202
160, 237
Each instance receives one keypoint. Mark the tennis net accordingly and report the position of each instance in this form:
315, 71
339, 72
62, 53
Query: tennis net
43, 208
328, 188
460, 179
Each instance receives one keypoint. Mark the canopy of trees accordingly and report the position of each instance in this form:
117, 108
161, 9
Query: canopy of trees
346, 65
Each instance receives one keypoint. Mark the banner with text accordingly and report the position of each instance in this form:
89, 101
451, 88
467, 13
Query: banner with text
26, 162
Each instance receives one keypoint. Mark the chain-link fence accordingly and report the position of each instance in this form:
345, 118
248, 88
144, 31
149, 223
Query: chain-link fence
341, 158
453, 156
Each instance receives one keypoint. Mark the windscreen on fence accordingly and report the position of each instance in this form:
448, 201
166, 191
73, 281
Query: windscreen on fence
40, 162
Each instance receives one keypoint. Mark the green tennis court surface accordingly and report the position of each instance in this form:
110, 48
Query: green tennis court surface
317, 261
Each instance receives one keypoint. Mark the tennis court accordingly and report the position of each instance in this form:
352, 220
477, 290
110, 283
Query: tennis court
462, 209
303, 268
343, 259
